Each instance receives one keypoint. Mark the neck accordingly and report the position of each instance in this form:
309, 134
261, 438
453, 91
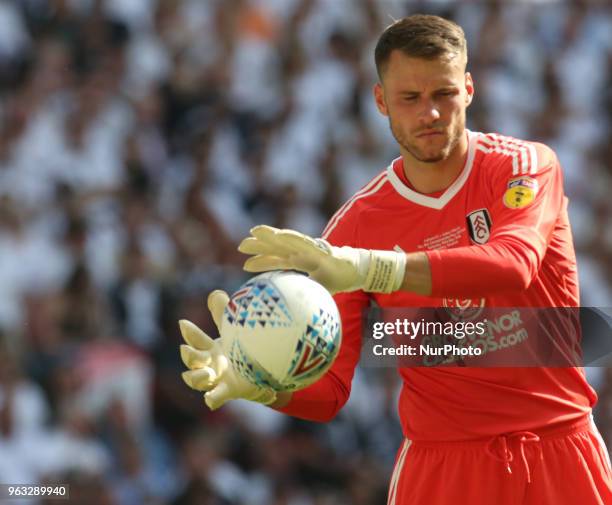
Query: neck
437, 176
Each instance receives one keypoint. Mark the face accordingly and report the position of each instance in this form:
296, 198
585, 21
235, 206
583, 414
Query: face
425, 101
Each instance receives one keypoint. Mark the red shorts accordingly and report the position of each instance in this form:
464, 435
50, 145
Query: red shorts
564, 466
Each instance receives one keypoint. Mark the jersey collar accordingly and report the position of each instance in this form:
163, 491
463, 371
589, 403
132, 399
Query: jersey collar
436, 202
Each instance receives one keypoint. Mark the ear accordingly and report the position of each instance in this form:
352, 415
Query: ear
379, 98
469, 87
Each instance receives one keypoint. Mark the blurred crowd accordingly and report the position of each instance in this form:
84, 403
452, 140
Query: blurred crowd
141, 139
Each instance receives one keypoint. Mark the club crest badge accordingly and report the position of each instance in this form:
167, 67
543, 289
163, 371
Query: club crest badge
479, 226
464, 309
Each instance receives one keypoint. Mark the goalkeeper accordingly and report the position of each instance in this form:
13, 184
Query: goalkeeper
459, 218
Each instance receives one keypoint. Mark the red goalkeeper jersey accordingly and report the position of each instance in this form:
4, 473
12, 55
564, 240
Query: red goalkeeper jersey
499, 236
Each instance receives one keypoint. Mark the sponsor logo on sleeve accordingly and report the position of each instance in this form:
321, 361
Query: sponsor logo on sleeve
521, 192
479, 226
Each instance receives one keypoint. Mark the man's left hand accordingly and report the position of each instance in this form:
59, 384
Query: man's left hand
338, 269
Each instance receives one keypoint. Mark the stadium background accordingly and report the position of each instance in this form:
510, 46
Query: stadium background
140, 139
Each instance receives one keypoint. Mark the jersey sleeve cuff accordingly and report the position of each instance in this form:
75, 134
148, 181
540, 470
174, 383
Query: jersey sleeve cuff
311, 404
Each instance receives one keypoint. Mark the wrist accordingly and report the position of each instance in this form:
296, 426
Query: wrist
282, 400
384, 271
267, 397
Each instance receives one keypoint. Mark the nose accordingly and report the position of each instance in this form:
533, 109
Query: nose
428, 112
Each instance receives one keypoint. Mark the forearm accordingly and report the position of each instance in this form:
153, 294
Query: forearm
483, 270
417, 277
506, 265
470, 271
319, 402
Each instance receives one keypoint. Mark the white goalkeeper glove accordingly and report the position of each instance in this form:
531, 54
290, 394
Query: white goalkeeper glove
209, 368
337, 268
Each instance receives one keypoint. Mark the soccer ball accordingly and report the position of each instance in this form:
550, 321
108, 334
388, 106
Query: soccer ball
281, 330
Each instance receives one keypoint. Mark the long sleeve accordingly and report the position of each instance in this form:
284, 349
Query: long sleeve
524, 211
322, 400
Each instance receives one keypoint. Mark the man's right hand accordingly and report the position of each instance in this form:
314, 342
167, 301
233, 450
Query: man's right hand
210, 370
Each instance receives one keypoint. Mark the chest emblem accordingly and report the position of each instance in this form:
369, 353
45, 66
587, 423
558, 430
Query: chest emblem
479, 226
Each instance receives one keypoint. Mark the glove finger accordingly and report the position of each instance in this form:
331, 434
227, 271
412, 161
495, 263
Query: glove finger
291, 239
201, 379
192, 358
251, 245
273, 240
297, 242
267, 263
264, 232
218, 396
217, 301
194, 336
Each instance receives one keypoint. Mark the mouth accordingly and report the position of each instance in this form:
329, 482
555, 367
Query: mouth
429, 133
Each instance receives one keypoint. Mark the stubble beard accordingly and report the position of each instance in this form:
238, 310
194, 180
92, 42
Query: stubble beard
403, 140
